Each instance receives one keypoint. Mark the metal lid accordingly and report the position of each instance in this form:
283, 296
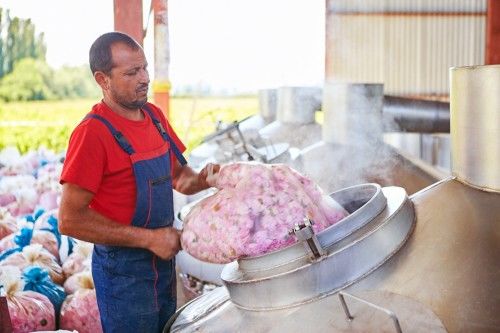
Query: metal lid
363, 202
361, 245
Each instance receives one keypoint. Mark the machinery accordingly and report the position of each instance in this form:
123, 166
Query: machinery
427, 262
295, 126
236, 141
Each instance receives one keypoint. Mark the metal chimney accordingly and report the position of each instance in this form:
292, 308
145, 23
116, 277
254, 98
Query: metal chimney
352, 112
475, 126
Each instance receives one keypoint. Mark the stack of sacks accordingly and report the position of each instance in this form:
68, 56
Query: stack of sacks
20, 194
36, 255
37, 279
28, 235
79, 311
30, 240
80, 280
47, 221
8, 224
253, 211
29, 181
29, 311
48, 186
79, 260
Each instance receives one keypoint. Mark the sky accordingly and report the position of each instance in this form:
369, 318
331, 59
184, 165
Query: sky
228, 45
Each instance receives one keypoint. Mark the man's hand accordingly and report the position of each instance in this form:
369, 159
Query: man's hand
165, 242
188, 181
209, 174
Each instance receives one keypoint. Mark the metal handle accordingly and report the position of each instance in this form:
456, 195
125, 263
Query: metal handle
305, 233
386, 311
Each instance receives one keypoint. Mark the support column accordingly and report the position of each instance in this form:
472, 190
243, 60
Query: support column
493, 33
329, 16
128, 18
161, 84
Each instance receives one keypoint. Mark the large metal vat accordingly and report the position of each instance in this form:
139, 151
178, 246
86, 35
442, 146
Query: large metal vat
228, 140
352, 149
295, 119
424, 263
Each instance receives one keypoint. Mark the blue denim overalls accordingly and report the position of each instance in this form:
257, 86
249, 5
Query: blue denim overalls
136, 290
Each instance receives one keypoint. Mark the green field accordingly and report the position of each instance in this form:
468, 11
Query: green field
30, 125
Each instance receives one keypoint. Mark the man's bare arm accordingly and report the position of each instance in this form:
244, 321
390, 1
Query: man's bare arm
77, 220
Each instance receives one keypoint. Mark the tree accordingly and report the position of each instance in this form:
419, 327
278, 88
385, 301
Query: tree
75, 82
30, 80
1, 44
20, 41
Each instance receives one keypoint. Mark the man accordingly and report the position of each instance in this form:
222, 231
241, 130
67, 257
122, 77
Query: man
122, 162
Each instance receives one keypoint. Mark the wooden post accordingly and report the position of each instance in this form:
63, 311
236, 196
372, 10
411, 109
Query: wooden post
128, 18
161, 84
5, 323
493, 33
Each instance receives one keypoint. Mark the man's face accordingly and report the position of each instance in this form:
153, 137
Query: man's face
129, 78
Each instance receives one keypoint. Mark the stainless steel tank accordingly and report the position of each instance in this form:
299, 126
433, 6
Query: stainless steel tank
295, 119
352, 149
226, 143
422, 263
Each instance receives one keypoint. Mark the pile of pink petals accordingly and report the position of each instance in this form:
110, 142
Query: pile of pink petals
252, 212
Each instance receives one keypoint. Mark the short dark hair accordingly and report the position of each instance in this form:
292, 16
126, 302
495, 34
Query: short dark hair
100, 51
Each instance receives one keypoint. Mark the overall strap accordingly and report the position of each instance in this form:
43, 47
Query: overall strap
165, 136
120, 139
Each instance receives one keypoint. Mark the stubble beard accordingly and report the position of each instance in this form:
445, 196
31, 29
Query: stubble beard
127, 104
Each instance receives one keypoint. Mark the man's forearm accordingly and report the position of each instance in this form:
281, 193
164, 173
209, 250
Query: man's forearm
90, 226
189, 182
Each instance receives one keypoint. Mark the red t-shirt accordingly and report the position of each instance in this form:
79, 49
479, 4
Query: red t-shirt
95, 161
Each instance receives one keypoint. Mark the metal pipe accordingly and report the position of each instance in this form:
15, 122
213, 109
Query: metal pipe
267, 104
413, 115
349, 316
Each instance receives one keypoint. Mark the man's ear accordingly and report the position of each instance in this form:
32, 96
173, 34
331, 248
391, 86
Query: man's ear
102, 80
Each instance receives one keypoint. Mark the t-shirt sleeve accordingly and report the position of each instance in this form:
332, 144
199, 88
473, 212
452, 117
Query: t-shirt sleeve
85, 158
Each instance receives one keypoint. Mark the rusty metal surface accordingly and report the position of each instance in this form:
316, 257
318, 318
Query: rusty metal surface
493, 33
128, 18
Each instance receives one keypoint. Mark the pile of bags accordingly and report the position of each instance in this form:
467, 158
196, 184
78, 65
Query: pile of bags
44, 275
253, 211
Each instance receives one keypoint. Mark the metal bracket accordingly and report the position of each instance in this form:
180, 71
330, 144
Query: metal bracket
349, 317
305, 233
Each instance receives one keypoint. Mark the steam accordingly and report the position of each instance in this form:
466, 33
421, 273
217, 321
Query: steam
295, 124
352, 151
